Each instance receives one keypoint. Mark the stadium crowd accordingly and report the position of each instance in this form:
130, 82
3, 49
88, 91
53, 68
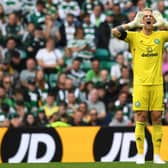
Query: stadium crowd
61, 66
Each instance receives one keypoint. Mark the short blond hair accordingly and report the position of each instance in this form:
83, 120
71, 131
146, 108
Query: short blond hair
147, 9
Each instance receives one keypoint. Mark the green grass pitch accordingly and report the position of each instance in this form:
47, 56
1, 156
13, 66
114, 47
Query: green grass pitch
84, 165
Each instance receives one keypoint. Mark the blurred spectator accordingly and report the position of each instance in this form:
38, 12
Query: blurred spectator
7, 84
17, 63
51, 29
50, 106
2, 17
77, 119
121, 103
1, 76
37, 43
16, 121
41, 84
67, 29
4, 113
28, 39
37, 16
67, 87
83, 95
125, 75
62, 109
119, 120
165, 77
75, 73
165, 61
49, 58
20, 109
88, 5
33, 95
9, 71
11, 5
102, 93
120, 18
94, 74
27, 6
51, 7
11, 46
83, 107
97, 17
42, 120
68, 6
13, 27
111, 93
61, 83
94, 120
30, 121
116, 69
104, 77
79, 46
104, 30
29, 72
162, 7
165, 119
89, 28
94, 102
20, 96
72, 103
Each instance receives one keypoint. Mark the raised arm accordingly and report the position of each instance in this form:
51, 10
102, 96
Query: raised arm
160, 21
119, 31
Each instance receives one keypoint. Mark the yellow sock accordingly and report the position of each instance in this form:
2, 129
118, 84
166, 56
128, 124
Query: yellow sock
140, 135
157, 138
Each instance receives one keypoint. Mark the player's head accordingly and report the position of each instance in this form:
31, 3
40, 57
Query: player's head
148, 19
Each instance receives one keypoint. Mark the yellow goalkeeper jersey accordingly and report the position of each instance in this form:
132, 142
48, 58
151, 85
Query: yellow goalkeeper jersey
147, 51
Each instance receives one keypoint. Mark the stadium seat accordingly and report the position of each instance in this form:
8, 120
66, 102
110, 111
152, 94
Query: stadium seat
86, 65
102, 54
52, 79
107, 65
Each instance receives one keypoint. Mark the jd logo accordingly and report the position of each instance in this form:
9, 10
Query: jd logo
31, 146
118, 144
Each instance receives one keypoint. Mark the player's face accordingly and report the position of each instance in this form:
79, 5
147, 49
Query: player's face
148, 20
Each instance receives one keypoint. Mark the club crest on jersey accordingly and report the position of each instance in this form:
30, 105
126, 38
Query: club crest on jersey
137, 104
157, 41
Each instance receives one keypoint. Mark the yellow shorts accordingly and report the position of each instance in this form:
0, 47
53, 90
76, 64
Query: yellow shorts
148, 98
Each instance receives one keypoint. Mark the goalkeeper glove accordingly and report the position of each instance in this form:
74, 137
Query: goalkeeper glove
137, 21
160, 21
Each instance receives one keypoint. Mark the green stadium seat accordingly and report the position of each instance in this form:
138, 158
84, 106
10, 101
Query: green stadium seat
102, 54
52, 79
107, 64
86, 65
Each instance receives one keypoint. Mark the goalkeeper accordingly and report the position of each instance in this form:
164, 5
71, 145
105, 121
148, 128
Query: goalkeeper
147, 49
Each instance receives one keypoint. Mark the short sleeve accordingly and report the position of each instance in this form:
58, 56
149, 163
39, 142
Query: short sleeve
164, 35
39, 55
130, 36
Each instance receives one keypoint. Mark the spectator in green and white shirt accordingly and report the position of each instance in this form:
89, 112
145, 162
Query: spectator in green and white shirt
28, 6
11, 5
75, 73
37, 16
89, 28
88, 5
68, 6
79, 46
13, 27
97, 17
